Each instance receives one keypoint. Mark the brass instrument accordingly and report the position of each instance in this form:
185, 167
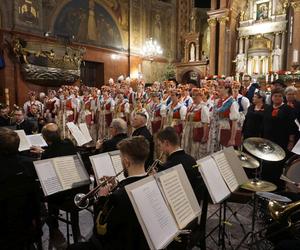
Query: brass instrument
82, 200
153, 166
285, 216
283, 213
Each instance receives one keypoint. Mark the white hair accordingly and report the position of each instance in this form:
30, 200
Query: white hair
291, 89
120, 125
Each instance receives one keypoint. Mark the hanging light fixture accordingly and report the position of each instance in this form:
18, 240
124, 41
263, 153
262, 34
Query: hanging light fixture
151, 49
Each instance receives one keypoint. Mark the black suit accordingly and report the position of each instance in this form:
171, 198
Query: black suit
27, 126
65, 198
4, 121
59, 148
19, 205
143, 131
118, 226
111, 144
187, 161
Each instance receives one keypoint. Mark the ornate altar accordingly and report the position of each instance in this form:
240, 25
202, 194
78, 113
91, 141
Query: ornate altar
193, 65
48, 63
262, 37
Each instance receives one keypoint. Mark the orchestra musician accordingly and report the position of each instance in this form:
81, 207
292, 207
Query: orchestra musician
169, 144
21, 122
116, 225
19, 197
56, 148
118, 132
4, 115
139, 122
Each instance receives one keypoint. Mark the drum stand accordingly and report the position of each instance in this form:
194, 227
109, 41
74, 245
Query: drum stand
251, 233
222, 212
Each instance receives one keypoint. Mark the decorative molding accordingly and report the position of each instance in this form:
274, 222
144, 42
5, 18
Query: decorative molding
261, 28
223, 19
212, 21
296, 5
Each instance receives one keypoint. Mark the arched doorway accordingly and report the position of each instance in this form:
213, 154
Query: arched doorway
191, 76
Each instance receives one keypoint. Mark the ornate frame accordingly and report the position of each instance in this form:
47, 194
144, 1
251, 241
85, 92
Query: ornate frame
258, 3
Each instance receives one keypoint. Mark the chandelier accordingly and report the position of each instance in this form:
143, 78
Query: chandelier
151, 49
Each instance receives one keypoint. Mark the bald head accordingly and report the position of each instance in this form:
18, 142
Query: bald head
51, 133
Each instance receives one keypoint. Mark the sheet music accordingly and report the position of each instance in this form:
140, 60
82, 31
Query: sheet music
297, 123
85, 131
213, 179
37, 140
296, 148
102, 165
47, 176
66, 171
117, 163
24, 142
158, 220
78, 135
226, 171
177, 198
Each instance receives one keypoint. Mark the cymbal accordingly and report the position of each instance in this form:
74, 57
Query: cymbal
247, 160
264, 149
259, 186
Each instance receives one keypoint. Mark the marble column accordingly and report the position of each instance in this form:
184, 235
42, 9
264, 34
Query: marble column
296, 30
241, 45
246, 44
222, 4
212, 22
222, 36
246, 51
213, 5
277, 40
283, 57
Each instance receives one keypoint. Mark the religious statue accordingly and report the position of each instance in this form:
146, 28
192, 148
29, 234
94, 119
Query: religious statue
262, 11
240, 62
157, 27
28, 11
192, 53
276, 54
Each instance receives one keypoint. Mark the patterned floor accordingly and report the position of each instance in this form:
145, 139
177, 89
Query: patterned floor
238, 223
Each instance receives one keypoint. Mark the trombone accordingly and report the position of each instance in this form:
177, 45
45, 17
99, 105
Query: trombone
82, 201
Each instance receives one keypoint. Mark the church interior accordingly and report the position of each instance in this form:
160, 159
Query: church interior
149, 124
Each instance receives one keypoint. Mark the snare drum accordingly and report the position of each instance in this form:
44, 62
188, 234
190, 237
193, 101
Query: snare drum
292, 171
274, 197
263, 200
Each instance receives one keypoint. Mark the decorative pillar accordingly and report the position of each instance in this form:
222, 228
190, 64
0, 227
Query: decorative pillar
197, 50
283, 58
246, 51
246, 45
296, 30
241, 45
222, 4
222, 37
277, 40
213, 4
212, 22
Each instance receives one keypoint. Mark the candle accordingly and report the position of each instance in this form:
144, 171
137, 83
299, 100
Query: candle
295, 56
267, 77
272, 78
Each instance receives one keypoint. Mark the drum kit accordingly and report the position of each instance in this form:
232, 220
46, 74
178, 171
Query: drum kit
265, 150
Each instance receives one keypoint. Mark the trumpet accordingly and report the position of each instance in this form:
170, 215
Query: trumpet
82, 201
153, 166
